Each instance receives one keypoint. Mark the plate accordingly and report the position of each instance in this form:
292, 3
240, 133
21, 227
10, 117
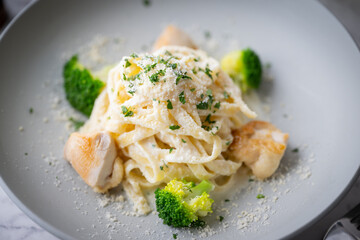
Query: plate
314, 97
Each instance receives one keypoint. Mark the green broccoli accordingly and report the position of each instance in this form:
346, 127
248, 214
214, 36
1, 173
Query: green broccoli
181, 203
81, 87
244, 67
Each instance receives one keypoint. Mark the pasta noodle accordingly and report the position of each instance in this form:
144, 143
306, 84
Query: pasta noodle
171, 114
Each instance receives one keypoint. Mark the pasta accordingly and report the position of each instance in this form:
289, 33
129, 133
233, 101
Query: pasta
171, 114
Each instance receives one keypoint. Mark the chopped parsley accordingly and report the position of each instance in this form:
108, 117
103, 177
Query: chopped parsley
259, 196
183, 140
207, 128
192, 89
147, 3
133, 77
227, 200
77, 124
206, 104
165, 164
174, 127
228, 143
208, 72
162, 72
207, 34
31, 110
251, 180
181, 76
226, 95
170, 150
148, 67
124, 76
175, 235
154, 78
173, 65
194, 70
197, 59
182, 97
127, 64
134, 55
221, 218
217, 105
131, 92
161, 168
207, 119
127, 112
169, 105
168, 53
202, 105
295, 150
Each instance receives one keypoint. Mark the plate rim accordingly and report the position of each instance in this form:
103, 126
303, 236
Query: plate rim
62, 235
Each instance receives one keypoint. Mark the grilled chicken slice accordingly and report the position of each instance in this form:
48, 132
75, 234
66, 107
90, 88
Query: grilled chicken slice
173, 36
260, 146
94, 157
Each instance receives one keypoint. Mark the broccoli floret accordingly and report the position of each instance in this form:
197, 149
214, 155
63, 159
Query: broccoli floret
244, 67
81, 87
181, 203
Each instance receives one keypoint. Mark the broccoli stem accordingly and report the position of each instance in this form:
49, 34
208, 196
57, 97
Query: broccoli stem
204, 186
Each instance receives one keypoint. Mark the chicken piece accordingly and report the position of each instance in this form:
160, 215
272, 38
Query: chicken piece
94, 157
173, 36
260, 145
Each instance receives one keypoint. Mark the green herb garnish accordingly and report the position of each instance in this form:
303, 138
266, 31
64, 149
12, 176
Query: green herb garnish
169, 105
182, 97
208, 72
207, 34
174, 127
77, 124
259, 196
217, 105
127, 64
202, 105
134, 55
154, 78
127, 112
207, 119
181, 76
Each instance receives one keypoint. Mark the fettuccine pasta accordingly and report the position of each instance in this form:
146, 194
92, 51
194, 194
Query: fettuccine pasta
171, 114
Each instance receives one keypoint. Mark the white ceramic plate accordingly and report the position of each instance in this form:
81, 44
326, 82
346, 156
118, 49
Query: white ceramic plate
315, 65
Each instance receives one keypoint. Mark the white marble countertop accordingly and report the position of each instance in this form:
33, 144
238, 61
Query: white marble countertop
15, 225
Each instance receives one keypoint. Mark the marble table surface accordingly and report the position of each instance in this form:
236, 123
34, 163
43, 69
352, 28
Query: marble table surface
15, 225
